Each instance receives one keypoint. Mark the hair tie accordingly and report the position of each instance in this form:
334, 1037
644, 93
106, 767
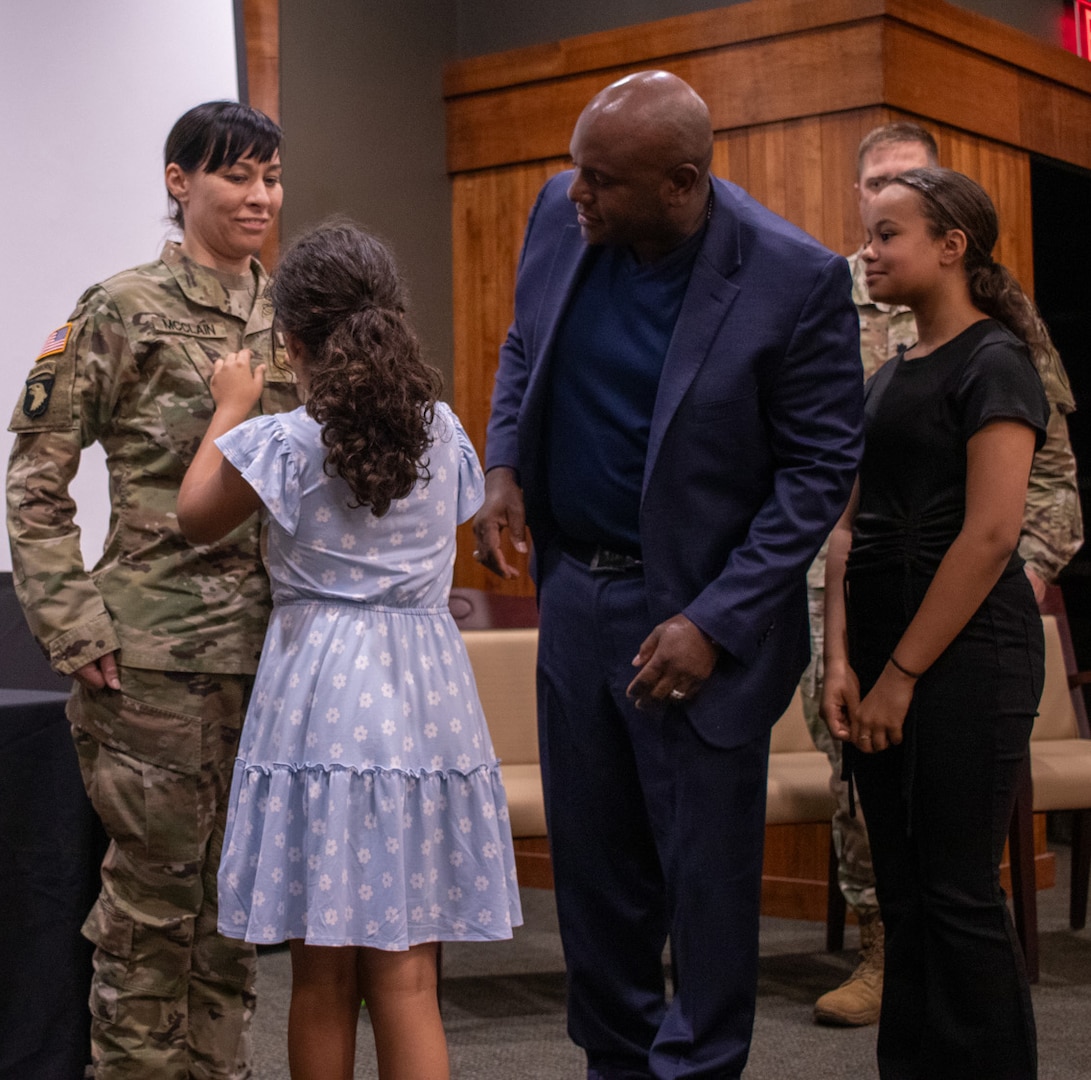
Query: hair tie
369, 306
904, 670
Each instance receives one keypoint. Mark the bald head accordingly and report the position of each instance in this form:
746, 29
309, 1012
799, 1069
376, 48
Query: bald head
662, 113
642, 149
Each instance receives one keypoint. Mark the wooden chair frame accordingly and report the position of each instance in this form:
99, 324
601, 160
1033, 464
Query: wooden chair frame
1020, 837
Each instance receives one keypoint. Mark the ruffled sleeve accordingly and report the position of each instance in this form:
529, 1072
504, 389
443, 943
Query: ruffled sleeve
260, 449
471, 480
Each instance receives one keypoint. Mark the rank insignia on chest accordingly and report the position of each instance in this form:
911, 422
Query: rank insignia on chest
56, 341
36, 400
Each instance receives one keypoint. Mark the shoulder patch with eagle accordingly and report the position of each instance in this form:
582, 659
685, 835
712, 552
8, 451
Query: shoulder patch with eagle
38, 392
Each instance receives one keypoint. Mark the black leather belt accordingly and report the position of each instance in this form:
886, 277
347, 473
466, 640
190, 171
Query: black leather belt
600, 559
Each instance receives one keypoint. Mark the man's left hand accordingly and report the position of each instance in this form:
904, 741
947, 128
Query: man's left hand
674, 660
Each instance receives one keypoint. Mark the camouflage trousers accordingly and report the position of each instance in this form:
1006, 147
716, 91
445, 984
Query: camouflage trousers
171, 999
855, 873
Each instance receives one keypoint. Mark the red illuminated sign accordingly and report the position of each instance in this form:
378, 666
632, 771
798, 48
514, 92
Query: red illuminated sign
1083, 28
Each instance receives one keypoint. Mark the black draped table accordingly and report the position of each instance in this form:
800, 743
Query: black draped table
51, 846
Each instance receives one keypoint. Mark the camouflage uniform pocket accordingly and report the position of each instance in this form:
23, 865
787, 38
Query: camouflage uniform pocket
151, 733
150, 959
141, 767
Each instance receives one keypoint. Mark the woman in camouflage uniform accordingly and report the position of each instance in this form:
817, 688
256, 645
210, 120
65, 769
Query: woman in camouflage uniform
161, 637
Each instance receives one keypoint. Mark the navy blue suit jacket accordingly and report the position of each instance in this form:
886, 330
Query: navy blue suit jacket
754, 443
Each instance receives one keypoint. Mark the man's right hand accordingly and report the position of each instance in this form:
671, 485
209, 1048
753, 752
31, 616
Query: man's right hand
99, 674
503, 509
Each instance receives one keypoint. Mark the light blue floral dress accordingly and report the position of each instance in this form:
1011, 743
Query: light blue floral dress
366, 804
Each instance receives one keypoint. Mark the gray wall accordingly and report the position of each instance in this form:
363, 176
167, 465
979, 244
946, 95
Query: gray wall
486, 26
1041, 18
362, 109
82, 194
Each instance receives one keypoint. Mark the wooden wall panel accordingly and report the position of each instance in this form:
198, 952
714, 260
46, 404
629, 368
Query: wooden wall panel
840, 229
805, 171
489, 216
647, 43
750, 83
1055, 120
1005, 174
875, 62
261, 19
958, 85
776, 59
639, 45
802, 169
928, 76
261, 27
793, 879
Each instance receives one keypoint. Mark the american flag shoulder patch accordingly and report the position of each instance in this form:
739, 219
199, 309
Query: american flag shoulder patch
56, 341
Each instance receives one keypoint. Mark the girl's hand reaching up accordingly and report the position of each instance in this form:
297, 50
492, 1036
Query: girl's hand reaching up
214, 498
236, 386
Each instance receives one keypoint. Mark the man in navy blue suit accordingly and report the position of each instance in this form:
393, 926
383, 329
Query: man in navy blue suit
677, 419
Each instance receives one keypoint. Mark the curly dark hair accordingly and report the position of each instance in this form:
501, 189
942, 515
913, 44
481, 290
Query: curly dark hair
950, 200
337, 290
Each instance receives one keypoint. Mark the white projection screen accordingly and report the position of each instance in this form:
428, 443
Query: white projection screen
88, 92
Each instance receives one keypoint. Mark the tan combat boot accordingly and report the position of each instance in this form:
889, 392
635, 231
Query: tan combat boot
856, 1002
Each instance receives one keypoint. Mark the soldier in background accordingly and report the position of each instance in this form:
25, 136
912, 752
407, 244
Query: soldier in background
1052, 534
162, 638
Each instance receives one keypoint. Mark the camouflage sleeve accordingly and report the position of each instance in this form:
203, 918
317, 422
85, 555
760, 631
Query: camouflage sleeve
1052, 520
65, 401
1054, 377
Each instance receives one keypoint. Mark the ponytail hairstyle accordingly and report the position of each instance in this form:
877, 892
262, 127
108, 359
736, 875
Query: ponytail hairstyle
950, 200
338, 291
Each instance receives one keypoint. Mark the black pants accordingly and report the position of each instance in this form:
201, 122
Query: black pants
956, 1002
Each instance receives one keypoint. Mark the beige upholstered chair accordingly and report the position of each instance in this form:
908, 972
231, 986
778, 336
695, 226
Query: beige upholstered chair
1060, 779
504, 663
501, 639
799, 776
798, 793
1061, 755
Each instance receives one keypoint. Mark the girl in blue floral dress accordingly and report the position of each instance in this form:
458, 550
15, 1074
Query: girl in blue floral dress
367, 816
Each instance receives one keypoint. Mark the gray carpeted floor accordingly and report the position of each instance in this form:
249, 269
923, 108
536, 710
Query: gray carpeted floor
504, 1004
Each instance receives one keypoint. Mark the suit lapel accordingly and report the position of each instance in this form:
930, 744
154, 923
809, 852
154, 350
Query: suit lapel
708, 298
553, 301
556, 290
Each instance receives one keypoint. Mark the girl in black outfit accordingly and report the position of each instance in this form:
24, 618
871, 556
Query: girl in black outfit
934, 660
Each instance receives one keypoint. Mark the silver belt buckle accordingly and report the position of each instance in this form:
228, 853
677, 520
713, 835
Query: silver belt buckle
605, 561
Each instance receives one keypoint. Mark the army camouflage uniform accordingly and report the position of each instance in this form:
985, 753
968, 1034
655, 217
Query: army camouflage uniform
171, 998
1052, 533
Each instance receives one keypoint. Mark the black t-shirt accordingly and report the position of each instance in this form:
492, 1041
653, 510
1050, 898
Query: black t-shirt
919, 415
